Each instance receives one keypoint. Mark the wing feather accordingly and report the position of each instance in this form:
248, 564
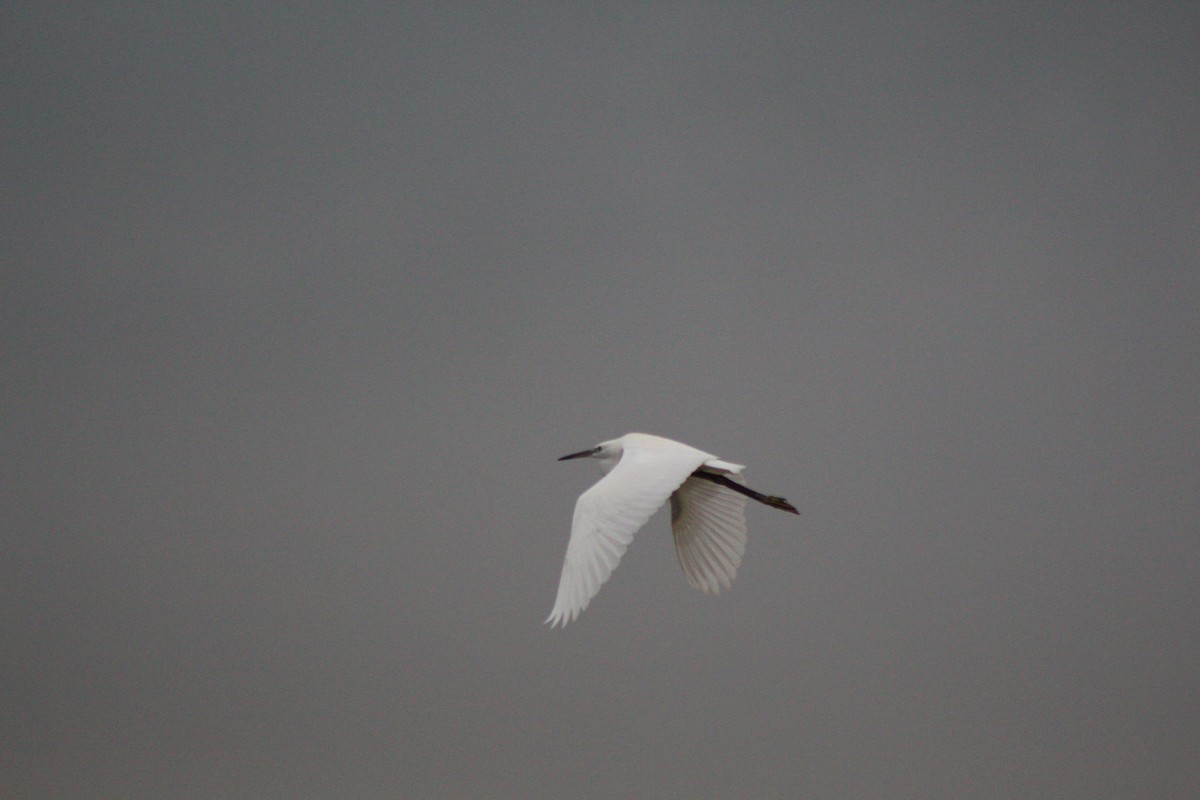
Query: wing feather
709, 527
608, 515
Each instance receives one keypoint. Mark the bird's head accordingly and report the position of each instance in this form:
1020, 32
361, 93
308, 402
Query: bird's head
608, 454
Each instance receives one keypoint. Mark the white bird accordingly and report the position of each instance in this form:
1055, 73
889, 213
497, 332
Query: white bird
641, 472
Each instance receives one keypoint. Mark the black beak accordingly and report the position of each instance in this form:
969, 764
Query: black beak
581, 454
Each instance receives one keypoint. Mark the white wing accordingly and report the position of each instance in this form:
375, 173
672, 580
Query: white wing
610, 513
709, 524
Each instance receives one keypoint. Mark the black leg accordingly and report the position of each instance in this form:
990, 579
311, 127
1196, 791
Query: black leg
721, 480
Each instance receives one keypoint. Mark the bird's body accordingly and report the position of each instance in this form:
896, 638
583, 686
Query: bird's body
641, 473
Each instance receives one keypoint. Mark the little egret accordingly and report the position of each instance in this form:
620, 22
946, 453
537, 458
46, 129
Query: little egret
641, 472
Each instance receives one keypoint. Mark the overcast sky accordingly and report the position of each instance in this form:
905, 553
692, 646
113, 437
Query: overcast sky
300, 304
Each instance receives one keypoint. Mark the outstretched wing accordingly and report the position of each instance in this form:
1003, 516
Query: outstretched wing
609, 514
709, 525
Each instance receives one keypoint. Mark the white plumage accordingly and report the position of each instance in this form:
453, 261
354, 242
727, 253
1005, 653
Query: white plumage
641, 473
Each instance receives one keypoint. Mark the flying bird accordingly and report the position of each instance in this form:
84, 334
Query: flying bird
641, 472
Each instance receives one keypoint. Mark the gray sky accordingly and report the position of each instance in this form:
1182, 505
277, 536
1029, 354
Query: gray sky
301, 303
